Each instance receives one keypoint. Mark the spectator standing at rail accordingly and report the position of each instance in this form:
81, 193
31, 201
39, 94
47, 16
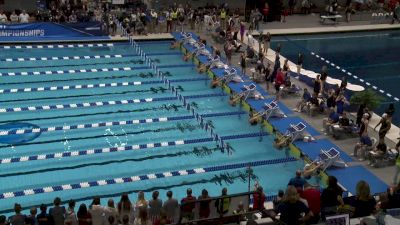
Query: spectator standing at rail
188, 205
317, 85
70, 216
58, 212
84, 216
111, 211
97, 211
125, 207
18, 218
171, 207
292, 210
43, 217
155, 206
204, 205
223, 203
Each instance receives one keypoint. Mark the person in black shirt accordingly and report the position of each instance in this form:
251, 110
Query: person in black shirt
390, 110
331, 198
317, 85
342, 126
378, 154
385, 127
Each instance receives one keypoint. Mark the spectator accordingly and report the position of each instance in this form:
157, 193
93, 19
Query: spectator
155, 206
276, 202
3, 220
378, 153
204, 205
142, 218
58, 212
313, 197
394, 196
31, 219
298, 182
396, 174
305, 98
267, 43
243, 62
340, 102
317, 84
72, 18
331, 198
364, 125
14, 18
258, 198
279, 80
84, 217
125, 220
364, 145
223, 203
163, 220
292, 209
188, 205
300, 61
141, 203
396, 13
390, 110
331, 100
111, 211
24, 17
3, 17
97, 211
363, 203
332, 119
360, 113
385, 127
70, 216
171, 207
125, 207
44, 218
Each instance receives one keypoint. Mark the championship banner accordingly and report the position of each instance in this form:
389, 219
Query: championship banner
50, 30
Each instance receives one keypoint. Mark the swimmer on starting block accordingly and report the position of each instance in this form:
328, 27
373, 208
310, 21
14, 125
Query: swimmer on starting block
282, 142
311, 170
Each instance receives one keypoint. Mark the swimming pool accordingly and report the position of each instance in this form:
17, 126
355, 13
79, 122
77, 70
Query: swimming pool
369, 59
86, 120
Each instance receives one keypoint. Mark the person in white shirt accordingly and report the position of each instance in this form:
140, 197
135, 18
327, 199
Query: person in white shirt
111, 211
24, 17
250, 40
3, 17
97, 211
14, 18
70, 215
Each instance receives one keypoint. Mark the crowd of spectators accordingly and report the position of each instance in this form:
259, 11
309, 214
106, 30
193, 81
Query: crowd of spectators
300, 203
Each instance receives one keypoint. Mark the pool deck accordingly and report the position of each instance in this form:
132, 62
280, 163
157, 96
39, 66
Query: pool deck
347, 145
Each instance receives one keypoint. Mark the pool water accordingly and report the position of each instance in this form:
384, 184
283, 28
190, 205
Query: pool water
65, 130
371, 56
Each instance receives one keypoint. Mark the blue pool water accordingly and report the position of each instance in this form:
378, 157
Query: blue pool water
65, 168
371, 56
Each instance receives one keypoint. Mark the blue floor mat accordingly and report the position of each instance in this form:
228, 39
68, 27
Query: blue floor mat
259, 104
313, 148
282, 125
237, 88
349, 177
